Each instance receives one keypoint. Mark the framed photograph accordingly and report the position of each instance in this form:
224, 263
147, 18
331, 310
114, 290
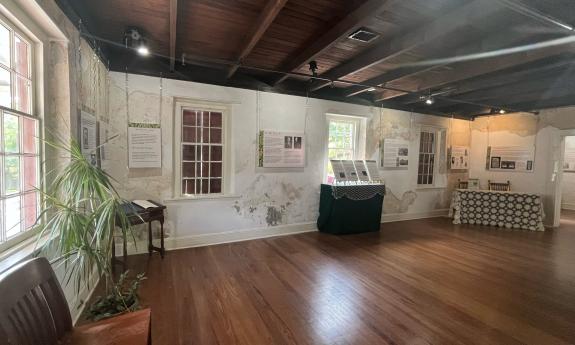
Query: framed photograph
473, 183
495, 163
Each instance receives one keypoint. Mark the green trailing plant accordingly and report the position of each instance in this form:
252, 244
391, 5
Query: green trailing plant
81, 211
122, 298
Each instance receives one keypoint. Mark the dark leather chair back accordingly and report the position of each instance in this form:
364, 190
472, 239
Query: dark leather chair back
33, 309
462, 184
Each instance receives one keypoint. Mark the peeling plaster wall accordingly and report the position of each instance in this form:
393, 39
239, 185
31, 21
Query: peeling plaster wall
262, 197
403, 195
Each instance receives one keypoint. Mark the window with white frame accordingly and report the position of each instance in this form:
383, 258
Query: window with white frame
201, 142
343, 140
432, 155
19, 131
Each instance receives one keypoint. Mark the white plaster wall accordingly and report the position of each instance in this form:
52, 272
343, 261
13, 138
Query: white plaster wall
261, 197
568, 182
541, 130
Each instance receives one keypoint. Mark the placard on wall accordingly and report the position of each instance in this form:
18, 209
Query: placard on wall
459, 157
395, 153
510, 158
278, 149
144, 145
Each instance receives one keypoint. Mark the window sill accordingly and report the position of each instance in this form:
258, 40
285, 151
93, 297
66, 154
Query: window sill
18, 253
202, 197
430, 187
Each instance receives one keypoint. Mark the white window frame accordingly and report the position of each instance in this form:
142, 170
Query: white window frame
358, 146
225, 109
34, 47
440, 154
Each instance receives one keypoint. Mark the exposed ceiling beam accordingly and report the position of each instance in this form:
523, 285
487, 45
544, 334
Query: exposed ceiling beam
545, 18
342, 29
260, 26
173, 32
467, 70
451, 22
487, 41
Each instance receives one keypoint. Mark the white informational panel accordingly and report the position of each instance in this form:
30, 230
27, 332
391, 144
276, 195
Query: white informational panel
349, 169
144, 145
88, 139
338, 171
361, 170
104, 145
395, 153
459, 157
373, 170
511, 158
282, 149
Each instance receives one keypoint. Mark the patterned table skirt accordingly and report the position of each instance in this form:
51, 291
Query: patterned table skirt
504, 209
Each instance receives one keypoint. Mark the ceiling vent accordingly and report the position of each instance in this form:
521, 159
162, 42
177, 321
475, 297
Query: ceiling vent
363, 35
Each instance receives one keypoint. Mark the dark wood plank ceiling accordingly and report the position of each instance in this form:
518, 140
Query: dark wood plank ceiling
424, 48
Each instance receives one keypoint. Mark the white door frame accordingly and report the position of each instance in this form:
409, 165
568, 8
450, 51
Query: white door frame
558, 172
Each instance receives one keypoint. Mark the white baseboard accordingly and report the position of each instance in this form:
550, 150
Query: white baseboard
141, 247
567, 206
397, 217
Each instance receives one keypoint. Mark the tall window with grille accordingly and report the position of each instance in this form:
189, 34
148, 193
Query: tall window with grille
202, 151
19, 130
342, 142
426, 169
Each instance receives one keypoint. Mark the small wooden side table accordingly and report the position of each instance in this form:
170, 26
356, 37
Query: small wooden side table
138, 215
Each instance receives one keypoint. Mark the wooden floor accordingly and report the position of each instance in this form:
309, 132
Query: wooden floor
415, 282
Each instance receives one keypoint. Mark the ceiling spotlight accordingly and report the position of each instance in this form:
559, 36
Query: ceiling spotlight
502, 111
134, 39
143, 50
429, 101
371, 89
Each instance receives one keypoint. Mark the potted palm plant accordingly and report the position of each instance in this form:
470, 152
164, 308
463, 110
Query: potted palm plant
81, 213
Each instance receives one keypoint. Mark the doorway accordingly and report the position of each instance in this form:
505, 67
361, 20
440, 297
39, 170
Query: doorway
566, 204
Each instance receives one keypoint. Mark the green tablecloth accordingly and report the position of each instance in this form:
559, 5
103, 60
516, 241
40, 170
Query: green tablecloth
347, 216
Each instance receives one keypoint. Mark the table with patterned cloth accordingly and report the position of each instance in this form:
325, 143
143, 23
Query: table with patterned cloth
512, 210
350, 209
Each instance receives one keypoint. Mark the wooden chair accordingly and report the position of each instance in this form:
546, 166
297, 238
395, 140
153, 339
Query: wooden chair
33, 309
499, 186
462, 184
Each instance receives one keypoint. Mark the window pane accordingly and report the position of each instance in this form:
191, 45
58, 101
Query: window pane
205, 118
21, 56
216, 170
189, 152
12, 174
205, 153
30, 136
216, 136
216, 153
205, 169
188, 169
13, 223
215, 185
4, 46
5, 93
11, 137
205, 186
22, 99
189, 134
216, 120
30, 173
188, 187
30, 209
189, 118
206, 135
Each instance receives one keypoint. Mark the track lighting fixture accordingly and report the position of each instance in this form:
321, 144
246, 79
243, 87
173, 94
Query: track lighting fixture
134, 39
